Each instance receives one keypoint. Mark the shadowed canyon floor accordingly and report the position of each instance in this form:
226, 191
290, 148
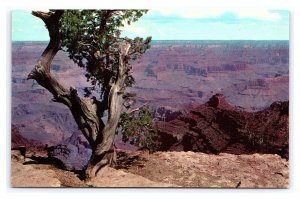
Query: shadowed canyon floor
163, 169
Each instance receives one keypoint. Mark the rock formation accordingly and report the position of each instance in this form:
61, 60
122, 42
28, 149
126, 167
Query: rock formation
217, 127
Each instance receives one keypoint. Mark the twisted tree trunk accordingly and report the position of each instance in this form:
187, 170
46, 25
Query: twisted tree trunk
86, 112
103, 153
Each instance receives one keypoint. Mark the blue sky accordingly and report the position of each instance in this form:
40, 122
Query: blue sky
181, 24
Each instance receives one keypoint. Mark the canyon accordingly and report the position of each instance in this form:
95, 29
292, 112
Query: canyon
207, 96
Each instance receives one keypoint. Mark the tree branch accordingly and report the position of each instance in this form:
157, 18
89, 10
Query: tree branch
105, 15
115, 102
83, 111
137, 109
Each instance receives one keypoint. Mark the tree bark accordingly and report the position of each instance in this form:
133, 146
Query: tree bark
104, 153
86, 112
83, 111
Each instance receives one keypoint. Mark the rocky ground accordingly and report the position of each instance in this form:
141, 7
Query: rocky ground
162, 169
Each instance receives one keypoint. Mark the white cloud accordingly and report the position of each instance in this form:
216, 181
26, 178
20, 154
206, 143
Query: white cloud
203, 13
196, 13
189, 13
20, 30
209, 13
259, 14
133, 28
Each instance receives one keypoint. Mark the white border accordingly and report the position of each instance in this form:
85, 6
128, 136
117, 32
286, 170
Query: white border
7, 6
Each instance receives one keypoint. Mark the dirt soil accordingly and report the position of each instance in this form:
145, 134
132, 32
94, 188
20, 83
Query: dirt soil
162, 169
190, 169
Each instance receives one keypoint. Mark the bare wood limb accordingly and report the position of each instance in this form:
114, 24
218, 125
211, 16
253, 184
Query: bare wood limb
137, 109
83, 111
102, 154
115, 103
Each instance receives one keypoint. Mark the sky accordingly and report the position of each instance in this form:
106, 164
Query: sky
181, 24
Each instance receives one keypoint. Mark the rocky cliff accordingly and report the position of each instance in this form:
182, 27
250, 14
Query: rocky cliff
217, 126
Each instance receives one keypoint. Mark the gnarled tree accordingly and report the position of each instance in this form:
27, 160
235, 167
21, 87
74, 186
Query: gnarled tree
92, 40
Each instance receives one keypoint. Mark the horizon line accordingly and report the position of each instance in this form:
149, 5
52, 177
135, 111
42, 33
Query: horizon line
179, 40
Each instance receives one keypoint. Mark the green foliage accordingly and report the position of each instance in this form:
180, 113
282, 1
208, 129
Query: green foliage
138, 128
91, 38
